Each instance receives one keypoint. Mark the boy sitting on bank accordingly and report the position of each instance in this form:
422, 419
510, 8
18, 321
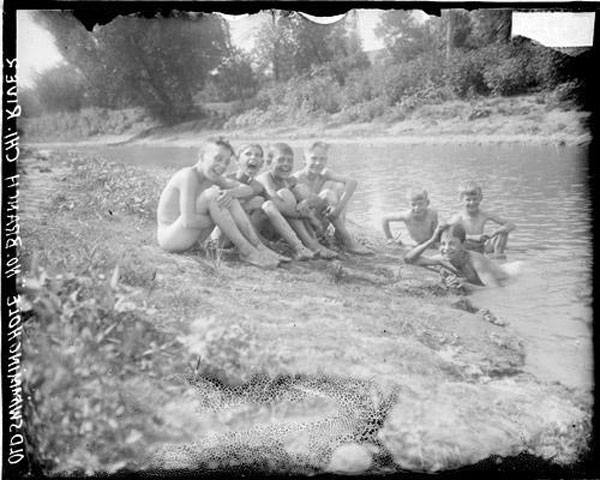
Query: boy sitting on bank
474, 219
197, 198
312, 186
470, 267
420, 220
258, 205
280, 186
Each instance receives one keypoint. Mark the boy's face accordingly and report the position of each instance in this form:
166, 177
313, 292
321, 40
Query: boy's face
450, 246
215, 161
471, 201
418, 206
251, 161
316, 160
282, 164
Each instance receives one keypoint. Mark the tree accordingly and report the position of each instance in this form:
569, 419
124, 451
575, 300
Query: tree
59, 89
234, 79
406, 37
154, 63
491, 26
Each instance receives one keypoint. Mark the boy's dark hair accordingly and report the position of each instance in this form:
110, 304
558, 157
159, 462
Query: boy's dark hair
469, 187
219, 142
278, 147
456, 230
251, 145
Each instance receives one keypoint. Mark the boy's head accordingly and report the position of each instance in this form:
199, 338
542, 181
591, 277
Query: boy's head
315, 156
418, 201
280, 159
470, 193
452, 241
214, 157
251, 159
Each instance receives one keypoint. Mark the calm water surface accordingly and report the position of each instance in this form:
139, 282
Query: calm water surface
543, 189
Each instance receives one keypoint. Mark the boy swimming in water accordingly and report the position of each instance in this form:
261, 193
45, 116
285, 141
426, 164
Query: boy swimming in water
312, 181
280, 185
197, 198
420, 220
258, 205
469, 266
474, 219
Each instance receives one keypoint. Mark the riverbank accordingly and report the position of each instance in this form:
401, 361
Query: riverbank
359, 365
528, 118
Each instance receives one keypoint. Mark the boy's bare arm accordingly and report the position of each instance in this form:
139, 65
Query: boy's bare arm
271, 190
349, 188
505, 225
187, 202
414, 256
386, 220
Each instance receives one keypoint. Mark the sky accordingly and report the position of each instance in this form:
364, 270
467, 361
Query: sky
36, 50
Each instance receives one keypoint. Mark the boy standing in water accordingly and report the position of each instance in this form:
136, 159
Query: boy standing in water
420, 220
280, 185
311, 186
471, 267
197, 198
474, 219
257, 203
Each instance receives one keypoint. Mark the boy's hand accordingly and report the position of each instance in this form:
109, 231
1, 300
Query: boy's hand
303, 209
224, 199
331, 212
393, 241
438, 231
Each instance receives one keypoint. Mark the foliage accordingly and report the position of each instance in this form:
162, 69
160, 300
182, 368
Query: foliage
234, 79
85, 123
406, 37
85, 338
60, 89
465, 73
153, 63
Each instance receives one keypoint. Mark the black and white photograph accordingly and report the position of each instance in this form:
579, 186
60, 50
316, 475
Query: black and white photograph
277, 240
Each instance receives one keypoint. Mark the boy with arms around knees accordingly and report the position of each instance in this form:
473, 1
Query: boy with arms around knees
280, 185
258, 205
420, 220
197, 198
470, 267
312, 187
474, 219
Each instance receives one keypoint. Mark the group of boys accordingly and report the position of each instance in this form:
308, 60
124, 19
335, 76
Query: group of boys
248, 206
465, 248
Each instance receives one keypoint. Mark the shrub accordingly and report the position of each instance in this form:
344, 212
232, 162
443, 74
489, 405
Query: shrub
465, 73
85, 339
511, 76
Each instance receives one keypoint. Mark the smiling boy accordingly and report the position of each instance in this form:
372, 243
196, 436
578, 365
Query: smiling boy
471, 267
197, 198
474, 219
312, 180
420, 220
280, 185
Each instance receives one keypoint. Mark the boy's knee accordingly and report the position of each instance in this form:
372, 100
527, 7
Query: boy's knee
287, 196
303, 191
254, 203
330, 196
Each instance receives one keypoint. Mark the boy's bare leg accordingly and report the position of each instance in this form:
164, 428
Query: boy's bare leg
310, 240
339, 223
226, 223
499, 243
282, 227
246, 227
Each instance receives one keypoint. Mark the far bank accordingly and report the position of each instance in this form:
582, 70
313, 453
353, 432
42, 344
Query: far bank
530, 118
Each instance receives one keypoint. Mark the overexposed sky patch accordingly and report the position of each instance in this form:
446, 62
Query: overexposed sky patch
556, 29
36, 50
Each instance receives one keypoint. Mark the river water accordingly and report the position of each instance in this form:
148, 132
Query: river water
543, 189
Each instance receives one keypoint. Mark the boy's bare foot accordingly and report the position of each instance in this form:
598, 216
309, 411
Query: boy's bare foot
259, 259
302, 253
272, 254
325, 253
359, 249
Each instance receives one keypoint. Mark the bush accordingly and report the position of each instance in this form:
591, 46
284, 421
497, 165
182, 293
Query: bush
465, 73
85, 339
